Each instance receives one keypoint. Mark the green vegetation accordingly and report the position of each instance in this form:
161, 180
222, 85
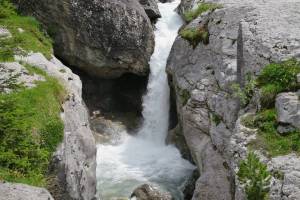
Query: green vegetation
216, 118
201, 8
267, 136
244, 94
30, 129
276, 78
185, 95
255, 177
26, 34
195, 35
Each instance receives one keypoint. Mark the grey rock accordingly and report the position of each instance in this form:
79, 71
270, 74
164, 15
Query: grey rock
74, 162
151, 8
298, 78
289, 165
288, 108
284, 129
4, 33
105, 38
13, 74
147, 192
15, 191
244, 36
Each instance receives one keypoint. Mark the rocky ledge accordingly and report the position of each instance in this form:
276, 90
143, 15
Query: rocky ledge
74, 163
241, 37
73, 169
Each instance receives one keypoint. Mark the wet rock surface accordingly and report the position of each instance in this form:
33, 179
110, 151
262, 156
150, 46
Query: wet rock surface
244, 36
104, 38
151, 8
147, 192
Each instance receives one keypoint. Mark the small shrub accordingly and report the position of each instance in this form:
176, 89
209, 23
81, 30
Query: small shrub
255, 177
195, 35
276, 78
244, 94
201, 8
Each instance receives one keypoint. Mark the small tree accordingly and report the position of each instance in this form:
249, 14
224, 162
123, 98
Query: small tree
255, 177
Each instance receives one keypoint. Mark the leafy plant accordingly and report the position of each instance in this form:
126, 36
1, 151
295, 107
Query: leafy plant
195, 35
201, 8
255, 177
276, 78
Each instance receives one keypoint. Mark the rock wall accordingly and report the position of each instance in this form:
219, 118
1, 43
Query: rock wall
74, 163
105, 38
244, 36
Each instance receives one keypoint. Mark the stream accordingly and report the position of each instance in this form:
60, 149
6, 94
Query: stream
130, 160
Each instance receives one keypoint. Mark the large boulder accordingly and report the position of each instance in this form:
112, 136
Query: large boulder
288, 108
147, 192
151, 8
14, 191
105, 38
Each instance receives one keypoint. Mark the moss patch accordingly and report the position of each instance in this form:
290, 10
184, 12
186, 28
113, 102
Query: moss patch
27, 34
201, 8
30, 129
195, 35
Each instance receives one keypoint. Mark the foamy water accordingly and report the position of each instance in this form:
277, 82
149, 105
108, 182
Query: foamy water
145, 158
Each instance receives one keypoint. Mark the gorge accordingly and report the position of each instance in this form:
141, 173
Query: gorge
150, 99
145, 158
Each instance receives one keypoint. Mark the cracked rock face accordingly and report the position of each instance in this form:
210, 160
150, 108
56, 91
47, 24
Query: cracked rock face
244, 36
105, 38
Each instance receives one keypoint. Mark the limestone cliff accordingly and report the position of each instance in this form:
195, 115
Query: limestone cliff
243, 36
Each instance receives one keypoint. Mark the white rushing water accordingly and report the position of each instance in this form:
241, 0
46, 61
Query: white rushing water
145, 158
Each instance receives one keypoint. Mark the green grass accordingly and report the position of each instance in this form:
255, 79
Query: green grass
30, 129
276, 78
32, 39
201, 8
268, 138
195, 35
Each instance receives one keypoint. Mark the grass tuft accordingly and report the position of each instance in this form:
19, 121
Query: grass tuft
201, 8
30, 39
268, 138
195, 35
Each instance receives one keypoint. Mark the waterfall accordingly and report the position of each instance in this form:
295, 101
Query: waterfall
145, 158
156, 101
